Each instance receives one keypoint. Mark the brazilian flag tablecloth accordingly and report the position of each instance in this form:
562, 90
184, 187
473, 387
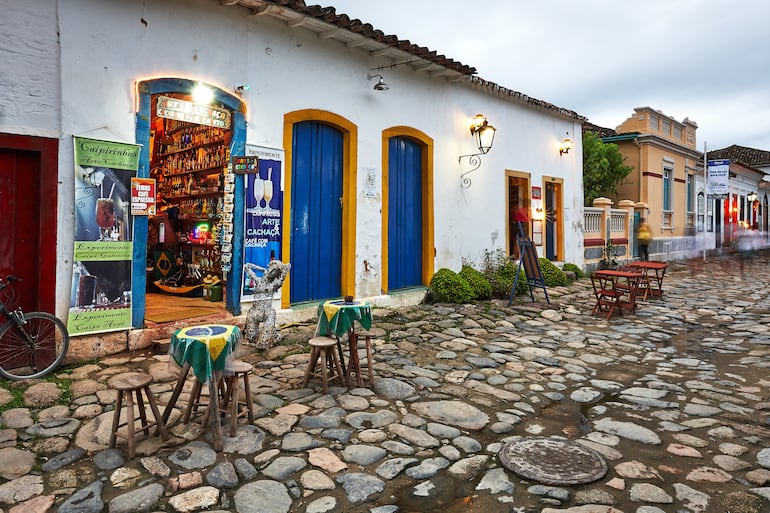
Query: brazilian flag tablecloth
207, 348
337, 317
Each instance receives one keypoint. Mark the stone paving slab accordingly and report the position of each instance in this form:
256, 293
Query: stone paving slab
675, 399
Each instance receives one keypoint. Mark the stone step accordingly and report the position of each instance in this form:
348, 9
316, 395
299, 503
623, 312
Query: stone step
161, 346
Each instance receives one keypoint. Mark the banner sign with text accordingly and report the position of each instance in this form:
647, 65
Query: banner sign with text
718, 177
190, 112
100, 297
263, 213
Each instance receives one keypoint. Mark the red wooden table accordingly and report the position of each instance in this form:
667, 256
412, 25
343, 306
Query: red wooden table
653, 283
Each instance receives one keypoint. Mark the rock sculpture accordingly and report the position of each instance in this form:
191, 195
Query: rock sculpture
261, 310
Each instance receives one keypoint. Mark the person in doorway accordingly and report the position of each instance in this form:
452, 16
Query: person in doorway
643, 239
520, 219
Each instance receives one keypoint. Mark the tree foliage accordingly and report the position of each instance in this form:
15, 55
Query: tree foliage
603, 168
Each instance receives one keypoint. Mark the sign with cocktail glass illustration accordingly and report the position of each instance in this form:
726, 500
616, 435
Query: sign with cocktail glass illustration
718, 175
100, 297
263, 189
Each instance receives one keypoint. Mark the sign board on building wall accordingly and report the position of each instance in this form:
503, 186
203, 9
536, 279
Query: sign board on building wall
100, 296
718, 172
142, 196
245, 165
370, 182
263, 189
182, 110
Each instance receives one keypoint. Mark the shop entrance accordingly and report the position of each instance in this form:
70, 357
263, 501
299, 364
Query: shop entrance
553, 219
188, 160
518, 206
186, 255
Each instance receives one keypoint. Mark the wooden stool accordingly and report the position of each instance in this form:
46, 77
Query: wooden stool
232, 394
195, 402
229, 397
354, 364
126, 384
323, 348
216, 387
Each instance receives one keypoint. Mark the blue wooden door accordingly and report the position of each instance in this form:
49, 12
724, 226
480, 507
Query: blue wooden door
404, 213
316, 212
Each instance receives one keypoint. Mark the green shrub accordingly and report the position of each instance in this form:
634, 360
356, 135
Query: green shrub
552, 275
447, 286
478, 282
500, 271
502, 280
493, 260
575, 269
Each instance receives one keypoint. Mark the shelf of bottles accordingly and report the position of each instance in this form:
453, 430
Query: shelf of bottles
189, 161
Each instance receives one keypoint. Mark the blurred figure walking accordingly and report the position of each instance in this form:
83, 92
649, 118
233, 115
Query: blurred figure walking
745, 245
643, 239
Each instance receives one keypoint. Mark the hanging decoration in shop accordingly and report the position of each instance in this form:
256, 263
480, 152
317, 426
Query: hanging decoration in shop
227, 221
100, 297
263, 213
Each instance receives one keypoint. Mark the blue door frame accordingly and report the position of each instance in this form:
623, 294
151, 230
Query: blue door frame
145, 90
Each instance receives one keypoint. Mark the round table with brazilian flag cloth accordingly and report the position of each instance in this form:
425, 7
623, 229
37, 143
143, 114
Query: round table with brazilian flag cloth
336, 318
208, 350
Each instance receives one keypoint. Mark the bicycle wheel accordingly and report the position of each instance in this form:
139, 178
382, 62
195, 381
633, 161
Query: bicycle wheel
33, 349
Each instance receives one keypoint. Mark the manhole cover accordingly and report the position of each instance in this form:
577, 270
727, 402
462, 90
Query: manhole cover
553, 462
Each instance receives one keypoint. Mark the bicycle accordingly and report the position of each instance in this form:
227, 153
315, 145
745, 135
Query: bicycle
32, 344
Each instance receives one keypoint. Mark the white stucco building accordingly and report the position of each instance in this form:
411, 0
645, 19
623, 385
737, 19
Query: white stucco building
287, 73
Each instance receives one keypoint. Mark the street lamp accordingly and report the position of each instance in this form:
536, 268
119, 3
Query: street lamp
484, 135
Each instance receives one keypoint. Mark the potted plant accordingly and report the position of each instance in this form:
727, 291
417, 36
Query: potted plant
608, 260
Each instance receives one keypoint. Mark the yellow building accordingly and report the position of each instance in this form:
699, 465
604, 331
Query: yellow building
667, 175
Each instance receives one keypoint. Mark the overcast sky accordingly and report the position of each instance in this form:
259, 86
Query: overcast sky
707, 60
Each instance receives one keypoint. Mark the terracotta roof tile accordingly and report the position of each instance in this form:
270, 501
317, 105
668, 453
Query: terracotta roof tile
600, 131
750, 156
329, 15
510, 94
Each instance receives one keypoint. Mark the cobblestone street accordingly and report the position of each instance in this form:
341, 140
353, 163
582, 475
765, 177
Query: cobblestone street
675, 398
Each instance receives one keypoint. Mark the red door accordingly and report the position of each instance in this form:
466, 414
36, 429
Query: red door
28, 181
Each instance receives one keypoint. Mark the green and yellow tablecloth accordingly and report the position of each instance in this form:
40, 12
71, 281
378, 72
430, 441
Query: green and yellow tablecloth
207, 348
336, 317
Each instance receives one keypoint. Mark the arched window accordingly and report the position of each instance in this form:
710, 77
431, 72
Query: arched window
701, 211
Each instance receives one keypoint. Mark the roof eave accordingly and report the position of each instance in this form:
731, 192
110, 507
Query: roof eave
354, 33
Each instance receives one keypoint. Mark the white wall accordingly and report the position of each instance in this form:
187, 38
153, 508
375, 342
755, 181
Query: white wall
107, 46
29, 68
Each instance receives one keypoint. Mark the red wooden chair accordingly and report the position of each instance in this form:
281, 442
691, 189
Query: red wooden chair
607, 296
